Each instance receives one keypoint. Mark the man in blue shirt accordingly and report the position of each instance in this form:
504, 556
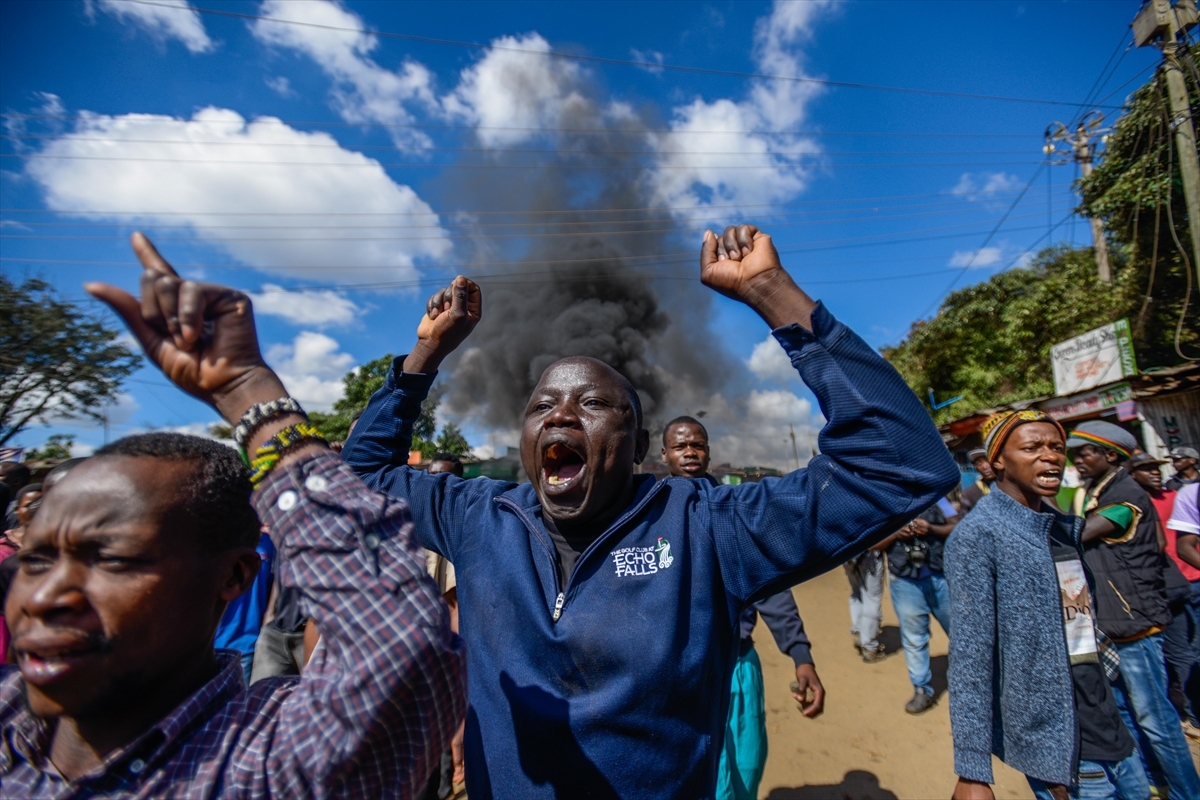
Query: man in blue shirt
600, 607
919, 591
243, 617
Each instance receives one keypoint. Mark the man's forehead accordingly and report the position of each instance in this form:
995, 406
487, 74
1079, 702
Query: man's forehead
686, 429
580, 375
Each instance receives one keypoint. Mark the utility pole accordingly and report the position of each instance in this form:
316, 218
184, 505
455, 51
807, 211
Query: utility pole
1083, 152
795, 452
1160, 19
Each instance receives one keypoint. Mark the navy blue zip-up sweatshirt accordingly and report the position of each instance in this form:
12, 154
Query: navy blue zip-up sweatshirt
617, 684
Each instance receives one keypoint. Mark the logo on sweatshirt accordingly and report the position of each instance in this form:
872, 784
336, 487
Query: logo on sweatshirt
633, 561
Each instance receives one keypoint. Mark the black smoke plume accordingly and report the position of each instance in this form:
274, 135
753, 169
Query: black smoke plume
625, 290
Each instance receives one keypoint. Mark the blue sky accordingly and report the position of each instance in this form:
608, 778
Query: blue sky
173, 121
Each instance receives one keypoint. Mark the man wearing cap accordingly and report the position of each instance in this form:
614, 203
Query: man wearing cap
1179, 639
982, 485
1120, 538
1183, 459
1023, 628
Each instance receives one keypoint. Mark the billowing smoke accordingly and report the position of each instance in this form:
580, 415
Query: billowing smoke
582, 282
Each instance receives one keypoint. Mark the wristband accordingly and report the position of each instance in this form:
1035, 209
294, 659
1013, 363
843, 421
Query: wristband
267, 457
259, 413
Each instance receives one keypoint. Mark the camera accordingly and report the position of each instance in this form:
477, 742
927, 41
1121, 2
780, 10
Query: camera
918, 553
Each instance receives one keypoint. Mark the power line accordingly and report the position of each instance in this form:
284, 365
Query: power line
877, 240
986, 240
579, 167
157, 119
946, 207
452, 237
506, 150
482, 212
459, 237
613, 61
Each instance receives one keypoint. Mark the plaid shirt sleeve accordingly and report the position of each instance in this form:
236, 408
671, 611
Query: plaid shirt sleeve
384, 691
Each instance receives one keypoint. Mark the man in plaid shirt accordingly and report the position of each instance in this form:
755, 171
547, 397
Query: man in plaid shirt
130, 562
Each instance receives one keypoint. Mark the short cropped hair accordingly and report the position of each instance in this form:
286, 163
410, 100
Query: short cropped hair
16, 469
218, 496
684, 420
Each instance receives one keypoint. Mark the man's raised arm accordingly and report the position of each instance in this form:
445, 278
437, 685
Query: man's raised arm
384, 692
882, 460
378, 447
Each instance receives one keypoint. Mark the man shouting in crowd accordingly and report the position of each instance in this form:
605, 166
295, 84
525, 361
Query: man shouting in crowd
128, 565
686, 453
601, 608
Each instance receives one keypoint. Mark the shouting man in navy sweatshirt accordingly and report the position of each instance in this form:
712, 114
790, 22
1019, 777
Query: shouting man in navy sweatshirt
600, 608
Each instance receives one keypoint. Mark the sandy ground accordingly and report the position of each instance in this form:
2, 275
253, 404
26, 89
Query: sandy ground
865, 747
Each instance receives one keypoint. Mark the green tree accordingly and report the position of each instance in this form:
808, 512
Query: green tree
451, 440
362, 382
991, 342
55, 358
57, 446
1137, 190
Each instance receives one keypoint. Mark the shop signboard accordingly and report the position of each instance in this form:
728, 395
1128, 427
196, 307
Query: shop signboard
1093, 359
1087, 402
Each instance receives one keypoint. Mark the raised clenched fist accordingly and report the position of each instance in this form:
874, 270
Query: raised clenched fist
450, 316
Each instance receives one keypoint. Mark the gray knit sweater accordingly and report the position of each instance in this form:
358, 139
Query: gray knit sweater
1010, 680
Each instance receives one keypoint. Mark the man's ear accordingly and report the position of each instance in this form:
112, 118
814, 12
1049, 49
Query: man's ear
244, 564
643, 446
1111, 456
664, 455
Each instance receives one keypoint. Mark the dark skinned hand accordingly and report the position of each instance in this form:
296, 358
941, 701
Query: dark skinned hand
450, 316
200, 335
743, 264
808, 691
973, 790
919, 526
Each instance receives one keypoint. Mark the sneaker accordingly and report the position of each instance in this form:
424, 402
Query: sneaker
873, 655
921, 702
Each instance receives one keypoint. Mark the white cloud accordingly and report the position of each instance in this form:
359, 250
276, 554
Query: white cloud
977, 259
746, 129
768, 361
984, 185
205, 171
515, 90
161, 22
363, 91
280, 85
312, 368
308, 307
755, 429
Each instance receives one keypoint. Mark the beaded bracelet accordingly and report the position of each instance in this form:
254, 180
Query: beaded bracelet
259, 413
267, 457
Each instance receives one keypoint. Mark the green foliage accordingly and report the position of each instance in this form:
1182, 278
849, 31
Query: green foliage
360, 384
451, 440
55, 359
1137, 181
57, 446
991, 342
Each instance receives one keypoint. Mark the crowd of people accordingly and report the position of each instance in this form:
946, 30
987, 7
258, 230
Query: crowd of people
294, 619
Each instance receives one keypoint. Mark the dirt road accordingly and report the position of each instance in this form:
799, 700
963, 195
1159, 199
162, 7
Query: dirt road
865, 747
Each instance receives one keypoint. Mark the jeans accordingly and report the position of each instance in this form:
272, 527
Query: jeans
744, 751
866, 598
1141, 693
1104, 780
247, 665
277, 653
915, 599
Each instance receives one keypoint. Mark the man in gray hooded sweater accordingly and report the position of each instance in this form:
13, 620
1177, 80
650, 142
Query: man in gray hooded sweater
1026, 681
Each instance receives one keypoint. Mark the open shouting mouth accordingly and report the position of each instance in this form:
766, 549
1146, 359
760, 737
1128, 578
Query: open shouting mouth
1049, 479
563, 468
45, 660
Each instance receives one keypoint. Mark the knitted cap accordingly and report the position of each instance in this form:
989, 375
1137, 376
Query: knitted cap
1104, 435
997, 427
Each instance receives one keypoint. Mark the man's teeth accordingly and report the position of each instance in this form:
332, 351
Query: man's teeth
554, 480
